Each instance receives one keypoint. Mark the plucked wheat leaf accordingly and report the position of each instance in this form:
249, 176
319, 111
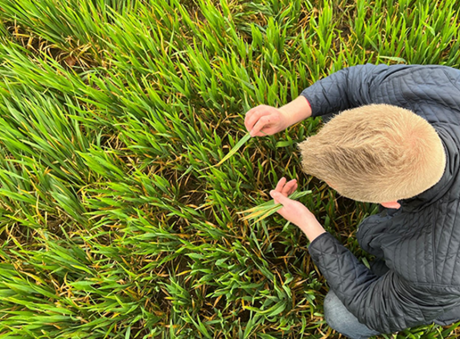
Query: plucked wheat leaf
266, 209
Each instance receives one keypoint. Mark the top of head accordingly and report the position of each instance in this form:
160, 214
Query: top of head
376, 153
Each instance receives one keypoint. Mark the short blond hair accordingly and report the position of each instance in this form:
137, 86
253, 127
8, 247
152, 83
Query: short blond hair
375, 153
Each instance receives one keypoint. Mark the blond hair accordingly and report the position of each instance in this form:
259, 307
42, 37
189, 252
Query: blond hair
375, 153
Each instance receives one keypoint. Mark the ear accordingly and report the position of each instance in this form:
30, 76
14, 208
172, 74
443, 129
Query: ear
391, 204
331, 186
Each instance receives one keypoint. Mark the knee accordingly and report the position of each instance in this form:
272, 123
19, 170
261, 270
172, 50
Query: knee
340, 319
333, 311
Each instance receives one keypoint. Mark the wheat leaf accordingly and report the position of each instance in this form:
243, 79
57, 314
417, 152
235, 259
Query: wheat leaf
232, 151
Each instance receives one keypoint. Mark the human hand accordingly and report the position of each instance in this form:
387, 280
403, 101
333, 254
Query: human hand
294, 211
265, 120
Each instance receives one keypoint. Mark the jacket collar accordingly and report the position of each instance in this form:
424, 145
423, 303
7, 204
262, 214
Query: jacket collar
437, 191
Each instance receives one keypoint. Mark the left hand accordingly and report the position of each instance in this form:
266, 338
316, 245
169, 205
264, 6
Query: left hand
292, 210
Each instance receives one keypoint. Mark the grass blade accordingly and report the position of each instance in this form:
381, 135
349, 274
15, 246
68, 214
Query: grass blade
232, 151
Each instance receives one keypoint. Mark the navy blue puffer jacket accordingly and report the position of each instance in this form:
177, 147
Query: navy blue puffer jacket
420, 243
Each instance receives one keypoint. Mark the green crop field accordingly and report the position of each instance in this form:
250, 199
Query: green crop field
115, 221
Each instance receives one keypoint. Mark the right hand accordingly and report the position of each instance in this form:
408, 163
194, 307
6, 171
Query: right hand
265, 120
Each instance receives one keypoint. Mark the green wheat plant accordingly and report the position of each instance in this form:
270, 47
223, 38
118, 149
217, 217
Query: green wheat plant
127, 175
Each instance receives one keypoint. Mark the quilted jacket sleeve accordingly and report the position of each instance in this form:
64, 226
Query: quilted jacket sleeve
345, 89
387, 303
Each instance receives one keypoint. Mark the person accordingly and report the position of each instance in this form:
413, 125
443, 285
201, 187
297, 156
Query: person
393, 140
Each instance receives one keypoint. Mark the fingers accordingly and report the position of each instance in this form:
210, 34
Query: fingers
253, 115
292, 189
286, 188
257, 119
279, 198
261, 123
280, 184
279, 187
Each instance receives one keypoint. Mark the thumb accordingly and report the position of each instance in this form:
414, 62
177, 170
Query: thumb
258, 127
279, 197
